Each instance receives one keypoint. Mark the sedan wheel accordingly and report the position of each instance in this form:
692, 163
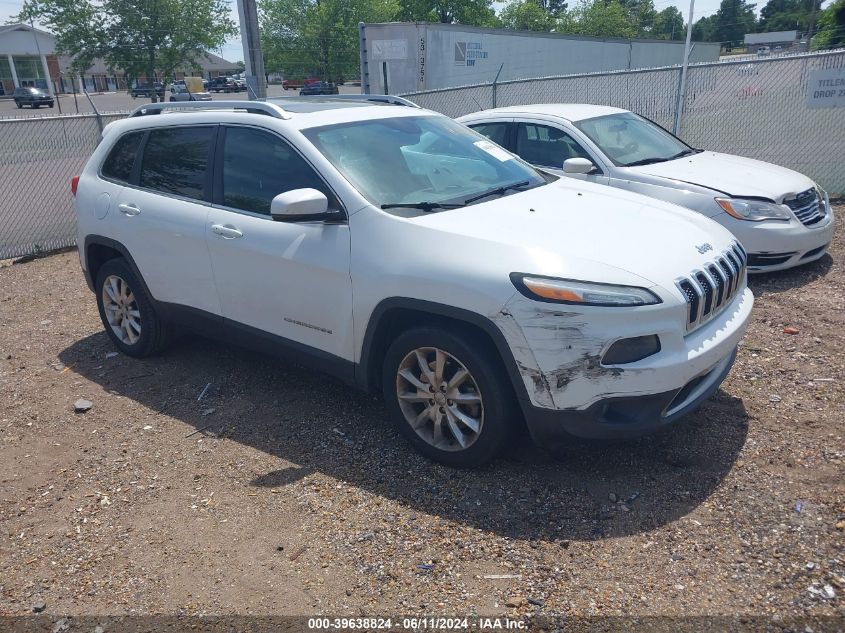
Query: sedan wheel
121, 310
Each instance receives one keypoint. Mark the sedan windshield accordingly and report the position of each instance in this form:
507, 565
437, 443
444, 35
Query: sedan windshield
429, 163
628, 139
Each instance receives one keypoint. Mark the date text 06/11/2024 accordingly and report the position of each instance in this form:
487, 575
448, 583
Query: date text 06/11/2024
416, 624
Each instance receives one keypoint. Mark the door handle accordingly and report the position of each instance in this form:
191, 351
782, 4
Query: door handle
226, 231
128, 209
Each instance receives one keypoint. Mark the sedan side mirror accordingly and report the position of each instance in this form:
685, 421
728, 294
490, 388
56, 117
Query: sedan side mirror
299, 204
577, 166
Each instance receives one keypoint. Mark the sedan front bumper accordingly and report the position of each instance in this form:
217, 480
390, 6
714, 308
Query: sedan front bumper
775, 246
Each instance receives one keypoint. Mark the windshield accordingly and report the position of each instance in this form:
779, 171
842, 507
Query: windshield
628, 139
429, 162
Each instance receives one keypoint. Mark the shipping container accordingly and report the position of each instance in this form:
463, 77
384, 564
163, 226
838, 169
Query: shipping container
402, 57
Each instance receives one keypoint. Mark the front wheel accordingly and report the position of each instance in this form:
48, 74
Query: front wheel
449, 395
19, 104
127, 312
172, 99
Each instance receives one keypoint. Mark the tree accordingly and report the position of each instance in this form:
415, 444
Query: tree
598, 18
734, 19
135, 36
669, 25
704, 29
469, 12
787, 15
526, 15
831, 27
303, 37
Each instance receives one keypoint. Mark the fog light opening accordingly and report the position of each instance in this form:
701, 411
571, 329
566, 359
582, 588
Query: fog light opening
630, 350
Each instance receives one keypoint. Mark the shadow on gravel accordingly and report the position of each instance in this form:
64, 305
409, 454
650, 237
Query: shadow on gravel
324, 426
781, 281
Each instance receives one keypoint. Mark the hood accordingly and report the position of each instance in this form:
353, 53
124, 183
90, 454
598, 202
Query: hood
581, 230
733, 175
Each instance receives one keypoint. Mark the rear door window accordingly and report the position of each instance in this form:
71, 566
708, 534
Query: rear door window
176, 160
118, 164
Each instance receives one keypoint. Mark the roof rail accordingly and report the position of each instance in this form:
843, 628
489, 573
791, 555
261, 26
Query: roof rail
388, 99
252, 107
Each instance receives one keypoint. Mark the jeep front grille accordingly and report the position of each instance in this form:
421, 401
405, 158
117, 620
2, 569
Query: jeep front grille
807, 207
714, 286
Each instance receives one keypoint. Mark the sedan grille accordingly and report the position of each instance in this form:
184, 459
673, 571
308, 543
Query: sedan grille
807, 207
710, 289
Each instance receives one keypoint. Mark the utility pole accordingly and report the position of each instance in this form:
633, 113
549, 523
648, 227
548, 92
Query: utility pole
682, 89
812, 25
256, 80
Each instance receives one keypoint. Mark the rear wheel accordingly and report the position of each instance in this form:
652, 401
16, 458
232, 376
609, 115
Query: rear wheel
449, 395
127, 312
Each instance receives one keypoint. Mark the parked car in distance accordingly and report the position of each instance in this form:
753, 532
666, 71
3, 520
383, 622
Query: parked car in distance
319, 88
781, 217
293, 84
223, 84
763, 51
33, 97
408, 255
180, 92
148, 90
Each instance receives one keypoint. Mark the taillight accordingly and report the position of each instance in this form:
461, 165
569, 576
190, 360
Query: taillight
74, 183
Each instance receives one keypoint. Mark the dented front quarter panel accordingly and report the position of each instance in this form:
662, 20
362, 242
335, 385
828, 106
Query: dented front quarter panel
558, 348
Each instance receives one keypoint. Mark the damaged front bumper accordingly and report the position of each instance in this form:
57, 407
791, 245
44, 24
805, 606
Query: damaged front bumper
570, 392
626, 417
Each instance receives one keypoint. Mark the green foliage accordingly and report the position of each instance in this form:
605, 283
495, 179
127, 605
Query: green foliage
734, 19
669, 25
831, 27
469, 12
135, 36
599, 18
526, 15
784, 15
317, 37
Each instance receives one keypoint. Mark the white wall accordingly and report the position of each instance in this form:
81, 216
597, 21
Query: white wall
23, 43
423, 56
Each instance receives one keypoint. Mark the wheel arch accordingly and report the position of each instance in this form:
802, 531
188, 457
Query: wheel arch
100, 249
396, 314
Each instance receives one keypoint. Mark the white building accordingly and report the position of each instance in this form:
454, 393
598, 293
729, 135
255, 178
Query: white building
27, 58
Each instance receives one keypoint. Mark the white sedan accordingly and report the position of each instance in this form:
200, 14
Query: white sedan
781, 217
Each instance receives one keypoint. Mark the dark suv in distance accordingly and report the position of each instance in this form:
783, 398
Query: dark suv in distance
319, 88
223, 84
33, 97
147, 90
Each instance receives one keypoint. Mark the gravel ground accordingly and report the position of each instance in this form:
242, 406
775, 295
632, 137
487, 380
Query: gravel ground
282, 491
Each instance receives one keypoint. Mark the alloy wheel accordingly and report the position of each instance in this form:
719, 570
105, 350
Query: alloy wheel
121, 309
440, 399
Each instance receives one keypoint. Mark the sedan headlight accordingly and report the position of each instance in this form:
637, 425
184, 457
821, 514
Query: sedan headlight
552, 290
754, 210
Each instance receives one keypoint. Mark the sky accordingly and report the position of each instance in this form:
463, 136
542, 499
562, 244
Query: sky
233, 49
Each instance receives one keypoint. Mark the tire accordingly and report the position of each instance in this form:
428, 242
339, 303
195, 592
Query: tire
172, 99
19, 104
484, 396
154, 333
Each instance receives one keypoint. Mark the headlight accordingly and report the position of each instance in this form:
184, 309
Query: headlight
554, 290
754, 210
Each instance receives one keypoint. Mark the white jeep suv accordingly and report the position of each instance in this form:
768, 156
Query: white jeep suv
407, 254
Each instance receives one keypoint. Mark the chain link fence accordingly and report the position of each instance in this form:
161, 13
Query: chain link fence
752, 108
38, 157
755, 108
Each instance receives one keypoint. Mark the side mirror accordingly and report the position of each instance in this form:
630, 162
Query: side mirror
299, 204
577, 166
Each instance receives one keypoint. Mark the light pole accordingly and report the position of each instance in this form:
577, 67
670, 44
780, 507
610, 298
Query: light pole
679, 109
